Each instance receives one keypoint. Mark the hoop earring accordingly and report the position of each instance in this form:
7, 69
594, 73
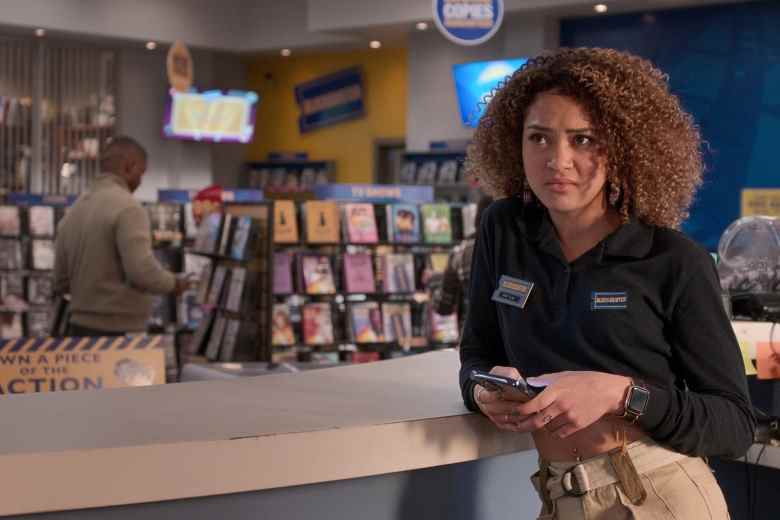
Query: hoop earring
614, 193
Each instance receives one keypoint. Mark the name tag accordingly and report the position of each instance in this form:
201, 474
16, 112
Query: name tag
608, 300
512, 291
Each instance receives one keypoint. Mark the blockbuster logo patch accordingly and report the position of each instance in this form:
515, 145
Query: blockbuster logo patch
608, 300
468, 22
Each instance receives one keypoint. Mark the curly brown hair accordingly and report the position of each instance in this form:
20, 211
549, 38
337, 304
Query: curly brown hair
652, 146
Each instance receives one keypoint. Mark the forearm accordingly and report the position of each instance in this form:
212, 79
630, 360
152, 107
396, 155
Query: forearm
140, 266
699, 424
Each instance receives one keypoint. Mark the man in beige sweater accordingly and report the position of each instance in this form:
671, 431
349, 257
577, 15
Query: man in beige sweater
104, 253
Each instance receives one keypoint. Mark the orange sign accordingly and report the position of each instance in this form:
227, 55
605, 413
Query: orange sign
181, 70
63, 364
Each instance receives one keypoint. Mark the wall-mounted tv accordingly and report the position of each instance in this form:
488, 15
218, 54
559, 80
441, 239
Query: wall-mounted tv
214, 116
475, 80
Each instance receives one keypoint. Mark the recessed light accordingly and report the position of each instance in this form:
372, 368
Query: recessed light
600, 8
285, 52
150, 46
422, 26
40, 33
375, 44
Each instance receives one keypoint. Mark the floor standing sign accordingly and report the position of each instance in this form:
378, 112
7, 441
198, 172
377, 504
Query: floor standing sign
30, 365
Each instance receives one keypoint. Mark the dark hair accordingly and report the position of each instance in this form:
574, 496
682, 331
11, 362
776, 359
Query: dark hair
120, 147
652, 146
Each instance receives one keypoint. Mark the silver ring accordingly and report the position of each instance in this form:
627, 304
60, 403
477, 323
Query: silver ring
547, 418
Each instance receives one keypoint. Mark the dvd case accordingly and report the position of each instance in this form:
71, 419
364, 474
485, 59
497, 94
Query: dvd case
216, 337
40, 290
41, 221
359, 273
11, 254
317, 274
283, 283
360, 223
403, 223
366, 320
437, 227
397, 321
399, 273
10, 221
317, 324
282, 333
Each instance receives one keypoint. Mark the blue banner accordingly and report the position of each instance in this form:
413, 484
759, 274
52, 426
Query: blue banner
174, 196
228, 195
31, 199
468, 22
330, 99
379, 193
236, 195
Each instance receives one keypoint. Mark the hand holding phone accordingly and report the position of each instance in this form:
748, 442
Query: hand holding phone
510, 389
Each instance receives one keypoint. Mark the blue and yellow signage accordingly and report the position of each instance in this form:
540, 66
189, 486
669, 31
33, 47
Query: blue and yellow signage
330, 99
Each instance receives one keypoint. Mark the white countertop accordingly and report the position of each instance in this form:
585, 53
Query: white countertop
124, 446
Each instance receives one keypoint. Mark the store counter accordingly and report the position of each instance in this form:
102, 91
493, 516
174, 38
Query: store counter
345, 442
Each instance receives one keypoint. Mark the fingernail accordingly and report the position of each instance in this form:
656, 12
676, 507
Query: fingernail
538, 381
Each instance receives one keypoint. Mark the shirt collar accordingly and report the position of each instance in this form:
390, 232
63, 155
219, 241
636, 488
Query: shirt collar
632, 239
104, 178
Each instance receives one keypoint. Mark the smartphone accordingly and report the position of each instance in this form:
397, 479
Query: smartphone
515, 389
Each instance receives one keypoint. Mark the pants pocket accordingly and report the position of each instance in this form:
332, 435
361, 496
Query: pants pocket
701, 475
675, 493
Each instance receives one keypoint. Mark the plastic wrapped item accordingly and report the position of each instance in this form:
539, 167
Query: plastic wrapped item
749, 252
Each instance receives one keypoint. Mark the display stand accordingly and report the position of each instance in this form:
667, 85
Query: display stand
235, 287
28, 225
349, 273
441, 169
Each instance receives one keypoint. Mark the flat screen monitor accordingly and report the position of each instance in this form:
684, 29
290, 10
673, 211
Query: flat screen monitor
213, 116
475, 80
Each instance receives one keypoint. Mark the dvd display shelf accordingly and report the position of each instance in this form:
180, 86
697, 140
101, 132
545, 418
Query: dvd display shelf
444, 171
350, 278
27, 231
230, 258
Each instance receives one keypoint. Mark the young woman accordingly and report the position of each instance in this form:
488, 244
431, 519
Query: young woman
581, 283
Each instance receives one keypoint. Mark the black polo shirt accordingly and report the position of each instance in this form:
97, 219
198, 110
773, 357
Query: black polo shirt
644, 302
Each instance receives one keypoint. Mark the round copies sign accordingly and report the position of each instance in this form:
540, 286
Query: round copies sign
468, 22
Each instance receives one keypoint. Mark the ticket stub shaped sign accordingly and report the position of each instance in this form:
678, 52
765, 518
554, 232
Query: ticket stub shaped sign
30, 365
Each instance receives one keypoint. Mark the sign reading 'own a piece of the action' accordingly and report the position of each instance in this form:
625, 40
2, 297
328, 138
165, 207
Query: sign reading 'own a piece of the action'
330, 99
468, 22
30, 365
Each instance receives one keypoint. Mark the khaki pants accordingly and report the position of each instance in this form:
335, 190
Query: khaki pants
684, 489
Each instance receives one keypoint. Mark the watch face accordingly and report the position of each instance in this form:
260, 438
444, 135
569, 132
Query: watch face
637, 401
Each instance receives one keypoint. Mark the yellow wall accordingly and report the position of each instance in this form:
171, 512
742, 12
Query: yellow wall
350, 144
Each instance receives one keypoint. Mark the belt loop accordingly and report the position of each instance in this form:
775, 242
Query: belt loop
628, 478
544, 476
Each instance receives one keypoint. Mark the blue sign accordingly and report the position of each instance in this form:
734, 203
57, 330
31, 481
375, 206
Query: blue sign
31, 199
379, 193
468, 22
330, 99
175, 196
239, 195
228, 195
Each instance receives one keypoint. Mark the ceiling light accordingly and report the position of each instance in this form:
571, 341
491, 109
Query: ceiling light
600, 8
422, 26
40, 33
375, 44
150, 46
285, 52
